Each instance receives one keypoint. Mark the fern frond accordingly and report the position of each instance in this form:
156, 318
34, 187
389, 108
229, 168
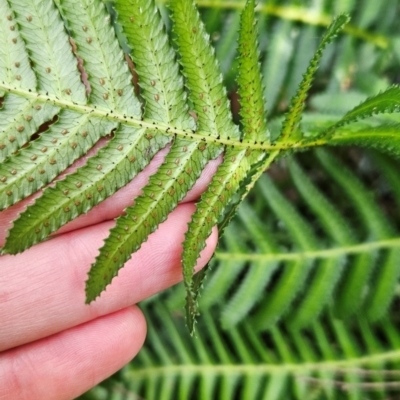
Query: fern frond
297, 105
256, 279
249, 79
212, 108
21, 118
296, 272
386, 277
35, 166
182, 165
385, 137
320, 290
160, 196
56, 68
300, 267
203, 77
321, 361
385, 102
73, 134
162, 86
14, 61
208, 210
108, 76
236, 164
115, 164
109, 87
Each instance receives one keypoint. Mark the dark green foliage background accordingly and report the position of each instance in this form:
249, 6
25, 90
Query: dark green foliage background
251, 342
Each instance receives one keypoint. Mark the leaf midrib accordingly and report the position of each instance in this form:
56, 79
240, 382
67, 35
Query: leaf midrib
257, 369
203, 136
325, 253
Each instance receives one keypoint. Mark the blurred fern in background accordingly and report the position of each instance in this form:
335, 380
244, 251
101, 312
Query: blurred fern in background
303, 302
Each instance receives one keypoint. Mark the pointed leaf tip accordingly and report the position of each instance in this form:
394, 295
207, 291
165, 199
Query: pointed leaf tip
293, 117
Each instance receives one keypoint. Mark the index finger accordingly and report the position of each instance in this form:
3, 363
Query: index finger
42, 291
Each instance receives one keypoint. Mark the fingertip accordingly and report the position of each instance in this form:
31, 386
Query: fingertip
67, 364
135, 330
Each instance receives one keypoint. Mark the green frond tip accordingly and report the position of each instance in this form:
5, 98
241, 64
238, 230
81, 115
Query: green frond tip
294, 115
209, 209
387, 101
218, 204
249, 78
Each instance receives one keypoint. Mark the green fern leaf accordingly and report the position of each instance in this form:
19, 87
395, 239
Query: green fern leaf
50, 154
14, 62
182, 165
320, 289
386, 277
35, 166
108, 76
296, 365
250, 88
297, 105
296, 272
203, 77
115, 164
208, 210
21, 118
160, 196
57, 75
348, 259
236, 164
255, 280
385, 102
48, 46
110, 88
106, 85
384, 137
162, 86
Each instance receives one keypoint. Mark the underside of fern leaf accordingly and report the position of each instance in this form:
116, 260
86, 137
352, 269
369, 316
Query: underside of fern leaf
65, 84
236, 164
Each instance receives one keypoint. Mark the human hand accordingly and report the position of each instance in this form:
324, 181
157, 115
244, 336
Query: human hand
53, 345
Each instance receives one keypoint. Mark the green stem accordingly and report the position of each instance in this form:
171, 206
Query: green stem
249, 369
325, 253
156, 126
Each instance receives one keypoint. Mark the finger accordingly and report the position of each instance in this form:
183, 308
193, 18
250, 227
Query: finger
67, 364
44, 287
114, 205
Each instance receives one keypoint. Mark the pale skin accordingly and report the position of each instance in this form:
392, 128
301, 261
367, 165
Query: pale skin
53, 345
